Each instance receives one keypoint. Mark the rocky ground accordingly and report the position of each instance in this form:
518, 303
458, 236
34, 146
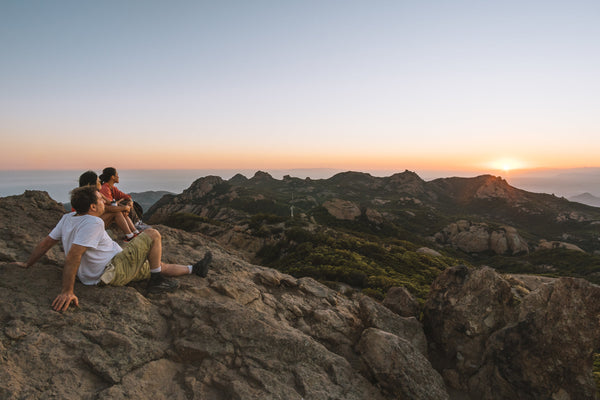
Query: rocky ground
248, 332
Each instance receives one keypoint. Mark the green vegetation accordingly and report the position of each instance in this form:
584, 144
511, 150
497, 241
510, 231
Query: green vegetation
363, 262
554, 263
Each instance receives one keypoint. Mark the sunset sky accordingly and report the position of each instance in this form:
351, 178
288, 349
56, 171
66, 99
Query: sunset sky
353, 85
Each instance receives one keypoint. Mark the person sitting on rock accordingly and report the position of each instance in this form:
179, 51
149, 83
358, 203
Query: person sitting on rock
108, 178
96, 259
113, 213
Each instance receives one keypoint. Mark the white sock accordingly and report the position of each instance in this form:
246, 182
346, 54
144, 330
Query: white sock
156, 270
129, 235
136, 232
190, 268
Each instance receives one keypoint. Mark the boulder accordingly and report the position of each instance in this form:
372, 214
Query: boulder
400, 301
495, 337
478, 237
342, 209
547, 245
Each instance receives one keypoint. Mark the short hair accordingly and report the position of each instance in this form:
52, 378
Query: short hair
83, 197
107, 173
88, 178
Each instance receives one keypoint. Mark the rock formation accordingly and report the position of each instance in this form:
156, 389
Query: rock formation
342, 209
244, 332
495, 337
249, 332
478, 237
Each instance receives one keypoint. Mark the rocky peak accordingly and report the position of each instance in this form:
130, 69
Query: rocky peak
201, 187
494, 187
352, 178
237, 179
261, 176
407, 182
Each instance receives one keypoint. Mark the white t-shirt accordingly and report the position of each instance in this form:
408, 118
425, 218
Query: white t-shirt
88, 231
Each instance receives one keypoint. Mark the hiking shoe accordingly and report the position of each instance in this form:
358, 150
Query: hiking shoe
201, 267
159, 284
140, 226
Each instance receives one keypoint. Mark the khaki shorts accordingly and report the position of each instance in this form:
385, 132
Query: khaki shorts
129, 265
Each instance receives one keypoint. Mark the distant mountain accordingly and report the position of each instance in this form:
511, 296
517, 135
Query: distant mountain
586, 198
373, 233
147, 199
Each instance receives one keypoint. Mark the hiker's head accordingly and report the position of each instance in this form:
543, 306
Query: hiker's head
89, 178
87, 198
108, 173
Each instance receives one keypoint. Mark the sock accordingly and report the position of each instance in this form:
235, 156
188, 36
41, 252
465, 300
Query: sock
156, 270
190, 267
136, 232
129, 235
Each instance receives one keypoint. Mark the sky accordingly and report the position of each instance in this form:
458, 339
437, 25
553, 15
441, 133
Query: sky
270, 84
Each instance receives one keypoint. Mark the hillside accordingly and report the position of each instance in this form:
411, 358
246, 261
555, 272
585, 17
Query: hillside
374, 233
586, 198
249, 332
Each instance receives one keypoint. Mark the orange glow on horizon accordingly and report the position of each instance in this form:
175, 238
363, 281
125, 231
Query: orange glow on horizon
175, 156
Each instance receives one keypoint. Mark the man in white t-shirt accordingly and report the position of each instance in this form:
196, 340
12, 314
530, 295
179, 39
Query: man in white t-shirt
95, 258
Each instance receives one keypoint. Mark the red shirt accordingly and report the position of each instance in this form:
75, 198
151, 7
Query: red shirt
113, 194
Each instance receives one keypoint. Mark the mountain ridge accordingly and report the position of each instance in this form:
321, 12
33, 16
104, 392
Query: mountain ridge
472, 220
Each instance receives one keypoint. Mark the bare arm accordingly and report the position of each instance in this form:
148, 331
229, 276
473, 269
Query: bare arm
73, 259
109, 208
42, 248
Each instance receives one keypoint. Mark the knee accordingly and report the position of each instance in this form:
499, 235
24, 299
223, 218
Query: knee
153, 233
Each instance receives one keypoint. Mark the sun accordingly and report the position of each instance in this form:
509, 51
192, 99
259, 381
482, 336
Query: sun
506, 164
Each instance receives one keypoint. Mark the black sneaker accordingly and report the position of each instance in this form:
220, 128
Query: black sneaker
201, 267
159, 284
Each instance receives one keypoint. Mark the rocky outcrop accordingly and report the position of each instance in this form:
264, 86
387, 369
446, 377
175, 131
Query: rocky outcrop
244, 332
249, 332
342, 209
495, 337
400, 301
478, 237
546, 245
23, 219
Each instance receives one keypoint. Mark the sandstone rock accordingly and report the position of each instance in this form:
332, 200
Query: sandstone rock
342, 209
243, 332
248, 332
429, 252
477, 237
492, 340
544, 244
400, 301
403, 371
374, 216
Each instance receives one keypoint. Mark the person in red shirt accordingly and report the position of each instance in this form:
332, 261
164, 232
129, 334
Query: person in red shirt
112, 213
108, 178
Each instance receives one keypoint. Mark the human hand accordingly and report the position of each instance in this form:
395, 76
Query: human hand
63, 300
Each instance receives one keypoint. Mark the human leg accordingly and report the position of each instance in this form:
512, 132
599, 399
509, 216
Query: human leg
119, 219
130, 224
155, 255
